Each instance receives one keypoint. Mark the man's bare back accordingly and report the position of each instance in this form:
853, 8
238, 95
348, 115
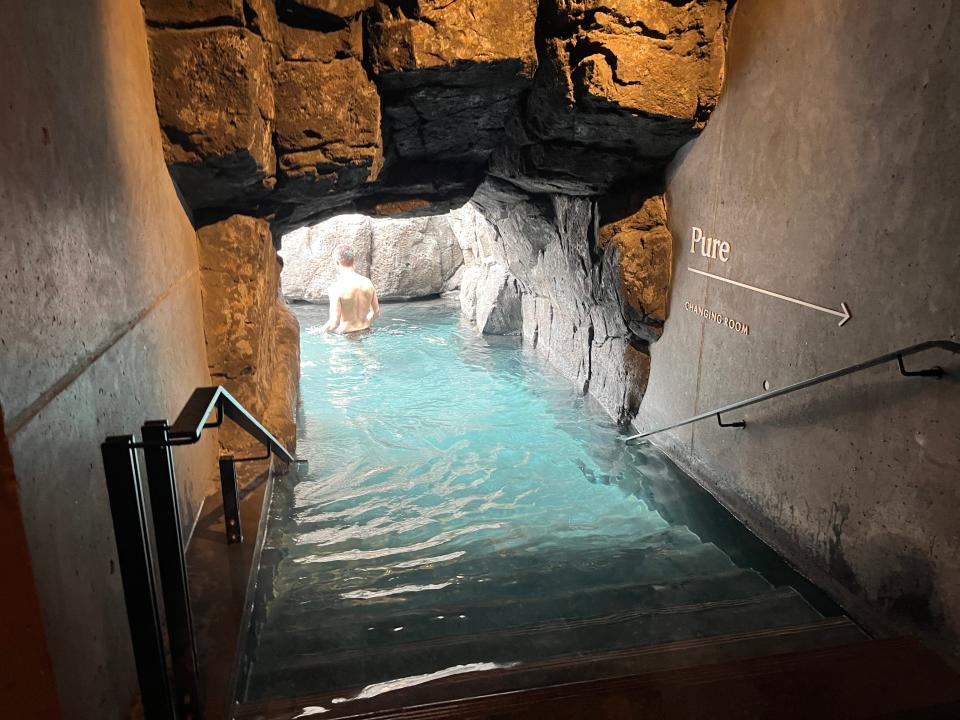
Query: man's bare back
353, 299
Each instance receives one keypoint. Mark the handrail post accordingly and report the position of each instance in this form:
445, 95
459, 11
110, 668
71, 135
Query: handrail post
936, 371
165, 507
135, 558
737, 424
231, 499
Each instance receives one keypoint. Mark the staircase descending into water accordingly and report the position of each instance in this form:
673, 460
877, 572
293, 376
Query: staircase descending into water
522, 582
511, 620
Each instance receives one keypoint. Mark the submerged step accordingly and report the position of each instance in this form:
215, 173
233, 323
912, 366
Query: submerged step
826, 633
306, 673
361, 626
673, 555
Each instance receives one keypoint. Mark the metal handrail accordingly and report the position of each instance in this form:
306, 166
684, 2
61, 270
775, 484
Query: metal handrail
150, 543
192, 420
897, 355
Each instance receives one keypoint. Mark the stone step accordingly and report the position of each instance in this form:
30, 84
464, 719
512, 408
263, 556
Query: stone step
368, 627
815, 671
824, 633
516, 579
302, 674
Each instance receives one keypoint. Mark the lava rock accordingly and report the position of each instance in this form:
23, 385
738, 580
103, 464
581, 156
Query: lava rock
216, 106
547, 253
459, 35
618, 91
328, 128
298, 43
634, 230
187, 13
498, 308
391, 103
253, 345
338, 8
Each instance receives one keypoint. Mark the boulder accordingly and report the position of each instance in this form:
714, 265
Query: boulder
308, 255
338, 8
413, 258
634, 229
297, 43
453, 34
407, 258
621, 87
216, 106
498, 306
328, 128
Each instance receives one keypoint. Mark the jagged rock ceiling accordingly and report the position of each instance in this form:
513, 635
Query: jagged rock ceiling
557, 118
295, 110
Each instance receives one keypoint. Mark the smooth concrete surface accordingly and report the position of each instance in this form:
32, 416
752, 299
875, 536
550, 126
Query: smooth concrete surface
832, 169
100, 315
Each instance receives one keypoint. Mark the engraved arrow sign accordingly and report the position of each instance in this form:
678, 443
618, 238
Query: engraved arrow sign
843, 313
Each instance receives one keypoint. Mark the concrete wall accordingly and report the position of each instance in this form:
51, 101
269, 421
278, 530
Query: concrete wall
100, 318
832, 168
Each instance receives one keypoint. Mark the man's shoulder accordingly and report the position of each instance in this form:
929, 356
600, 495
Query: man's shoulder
363, 282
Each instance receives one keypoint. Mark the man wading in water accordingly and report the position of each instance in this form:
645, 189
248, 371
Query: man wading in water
353, 299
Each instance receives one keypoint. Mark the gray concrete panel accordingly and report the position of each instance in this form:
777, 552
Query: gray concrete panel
92, 230
832, 169
100, 314
65, 506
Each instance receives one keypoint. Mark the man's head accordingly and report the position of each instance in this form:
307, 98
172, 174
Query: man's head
345, 256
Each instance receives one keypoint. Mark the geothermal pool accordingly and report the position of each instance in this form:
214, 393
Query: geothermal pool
465, 510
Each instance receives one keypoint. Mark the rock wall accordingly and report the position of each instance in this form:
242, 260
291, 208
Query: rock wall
586, 289
252, 337
405, 258
295, 111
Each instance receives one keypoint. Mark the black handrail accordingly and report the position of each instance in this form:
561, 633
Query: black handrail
897, 355
192, 420
151, 549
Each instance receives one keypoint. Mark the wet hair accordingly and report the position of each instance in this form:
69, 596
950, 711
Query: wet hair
345, 255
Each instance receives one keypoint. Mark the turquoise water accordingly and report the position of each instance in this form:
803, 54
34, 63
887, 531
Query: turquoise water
466, 510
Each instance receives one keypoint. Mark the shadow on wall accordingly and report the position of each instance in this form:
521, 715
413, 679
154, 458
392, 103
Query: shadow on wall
894, 571
26, 677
